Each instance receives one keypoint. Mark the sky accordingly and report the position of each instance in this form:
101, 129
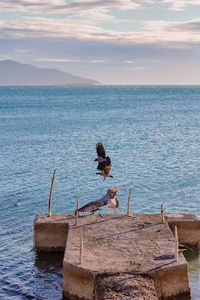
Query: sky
113, 42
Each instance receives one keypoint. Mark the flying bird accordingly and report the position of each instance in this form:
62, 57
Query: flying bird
104, 162
108, 199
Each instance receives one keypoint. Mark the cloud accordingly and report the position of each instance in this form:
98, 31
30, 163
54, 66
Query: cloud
61, 6
180, 4
175, 32
192, 26
83, 6
152, 32
106, 37
85, 20
44, 27
69, 60
129, 62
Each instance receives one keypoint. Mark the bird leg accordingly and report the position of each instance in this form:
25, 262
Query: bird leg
104, 176
98, 213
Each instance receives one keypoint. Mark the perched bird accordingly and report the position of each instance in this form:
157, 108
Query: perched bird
104, 162
108, 199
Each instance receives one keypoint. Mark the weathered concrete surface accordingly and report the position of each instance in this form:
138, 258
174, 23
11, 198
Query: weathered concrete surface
171, 282
119, 244
188, 227
122, 244
50, 237
50, 233
78, 283
125, 287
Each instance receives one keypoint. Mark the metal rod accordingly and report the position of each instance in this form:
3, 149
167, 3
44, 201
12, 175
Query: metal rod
81, 244
77, 213
129, 203
176, 242
50, 194
162, 213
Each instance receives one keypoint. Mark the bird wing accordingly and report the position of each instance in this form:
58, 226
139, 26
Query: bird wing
94, 205
100, 150
108, 161
101, 165
105, 165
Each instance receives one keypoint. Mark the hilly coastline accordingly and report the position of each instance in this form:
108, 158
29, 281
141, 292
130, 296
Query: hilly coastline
15, 73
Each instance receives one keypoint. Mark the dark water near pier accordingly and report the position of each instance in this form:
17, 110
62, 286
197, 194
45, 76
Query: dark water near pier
152, 135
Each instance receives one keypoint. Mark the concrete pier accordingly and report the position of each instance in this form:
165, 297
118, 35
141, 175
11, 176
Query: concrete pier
119, 248
50, 233
188, 227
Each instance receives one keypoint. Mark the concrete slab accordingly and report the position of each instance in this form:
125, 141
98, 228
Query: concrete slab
50, 233
118, 245
122, 244
188, 227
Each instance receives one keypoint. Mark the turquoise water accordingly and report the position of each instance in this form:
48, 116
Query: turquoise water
193, 259
152, 135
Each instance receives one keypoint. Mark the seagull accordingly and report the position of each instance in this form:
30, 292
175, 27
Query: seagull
104, 162
108, 199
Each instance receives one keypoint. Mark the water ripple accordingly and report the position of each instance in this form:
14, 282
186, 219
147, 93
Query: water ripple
152, 135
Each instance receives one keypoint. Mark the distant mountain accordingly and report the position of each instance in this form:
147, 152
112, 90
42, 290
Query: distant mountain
15, 73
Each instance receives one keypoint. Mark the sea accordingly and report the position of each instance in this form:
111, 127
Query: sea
151, 134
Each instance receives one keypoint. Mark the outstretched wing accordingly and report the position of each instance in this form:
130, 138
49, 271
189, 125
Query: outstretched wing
100, 150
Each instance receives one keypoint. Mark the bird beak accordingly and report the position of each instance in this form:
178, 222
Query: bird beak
118, 190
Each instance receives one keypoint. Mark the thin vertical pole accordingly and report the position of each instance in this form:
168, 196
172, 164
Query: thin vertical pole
81, 244
50, 194
176, 242
77, 213
129, 203
162, 213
